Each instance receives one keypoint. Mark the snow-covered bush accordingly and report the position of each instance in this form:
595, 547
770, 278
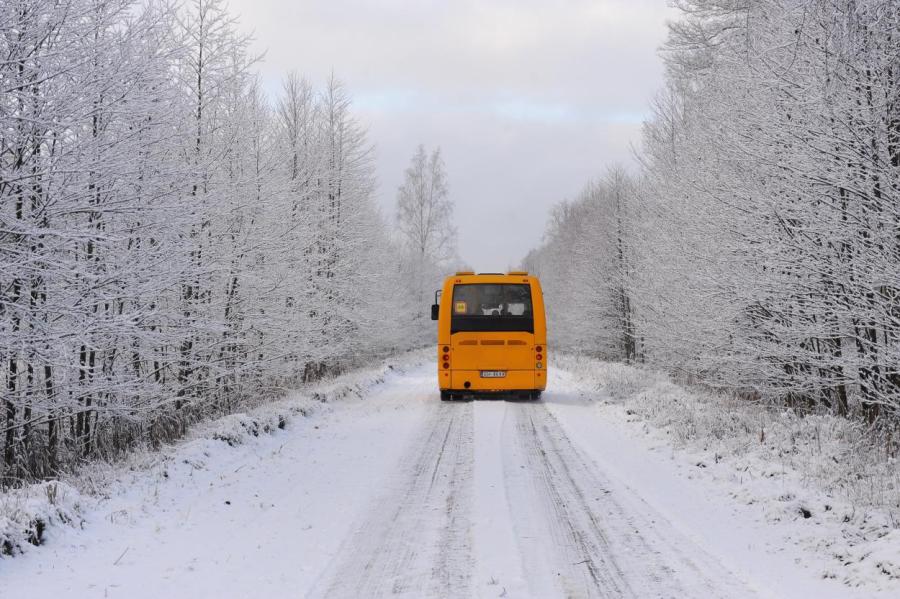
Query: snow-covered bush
28, 514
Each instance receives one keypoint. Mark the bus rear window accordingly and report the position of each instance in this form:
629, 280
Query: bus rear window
491, 307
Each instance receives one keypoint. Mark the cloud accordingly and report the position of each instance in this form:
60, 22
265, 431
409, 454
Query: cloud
528, 98
524, 109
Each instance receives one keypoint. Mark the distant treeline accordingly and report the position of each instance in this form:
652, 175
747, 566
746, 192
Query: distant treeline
757, 248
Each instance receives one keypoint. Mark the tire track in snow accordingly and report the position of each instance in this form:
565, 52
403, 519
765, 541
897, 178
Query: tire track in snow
415, 540
585, 563
608, 545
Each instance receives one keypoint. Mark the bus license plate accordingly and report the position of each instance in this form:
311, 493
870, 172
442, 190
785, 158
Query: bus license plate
493, 374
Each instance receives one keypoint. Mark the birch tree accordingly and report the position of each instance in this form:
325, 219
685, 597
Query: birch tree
427, 232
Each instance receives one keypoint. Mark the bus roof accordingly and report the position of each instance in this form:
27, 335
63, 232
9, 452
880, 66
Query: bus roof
491, 277
471, 273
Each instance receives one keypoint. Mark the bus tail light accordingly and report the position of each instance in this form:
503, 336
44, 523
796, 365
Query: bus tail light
539, 349
446, 365
446, 358
446, 349
539, 357
539, 365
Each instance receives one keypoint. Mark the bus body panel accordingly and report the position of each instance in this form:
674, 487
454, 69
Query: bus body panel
492, 350
472, 352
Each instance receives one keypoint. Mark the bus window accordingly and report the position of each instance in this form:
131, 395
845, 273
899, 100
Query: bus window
491, 307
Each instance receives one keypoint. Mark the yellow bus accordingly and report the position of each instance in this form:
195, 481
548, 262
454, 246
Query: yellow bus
492, 335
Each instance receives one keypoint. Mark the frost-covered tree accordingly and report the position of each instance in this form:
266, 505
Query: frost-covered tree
764, 220
427, 232
84, 116
586, 264
172, 244
424, 209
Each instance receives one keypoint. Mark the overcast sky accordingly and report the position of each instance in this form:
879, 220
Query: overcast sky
528, 99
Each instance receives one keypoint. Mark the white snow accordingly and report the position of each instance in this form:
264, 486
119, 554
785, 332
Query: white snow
241, 508
391, 491
30, 515
497, 555
805, 490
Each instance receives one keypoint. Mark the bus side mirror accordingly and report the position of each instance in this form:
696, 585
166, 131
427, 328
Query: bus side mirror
435, 308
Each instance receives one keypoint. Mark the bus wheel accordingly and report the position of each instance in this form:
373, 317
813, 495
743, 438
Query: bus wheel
446, 396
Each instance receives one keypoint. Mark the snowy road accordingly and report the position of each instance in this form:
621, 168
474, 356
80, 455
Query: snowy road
400, 494
536, 519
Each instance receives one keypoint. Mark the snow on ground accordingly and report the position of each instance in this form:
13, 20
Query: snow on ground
27, 515
127, 492
393, 492
813, 480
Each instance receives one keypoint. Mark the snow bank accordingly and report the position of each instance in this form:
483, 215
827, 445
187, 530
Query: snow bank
825, 480
28, 515
235, 429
